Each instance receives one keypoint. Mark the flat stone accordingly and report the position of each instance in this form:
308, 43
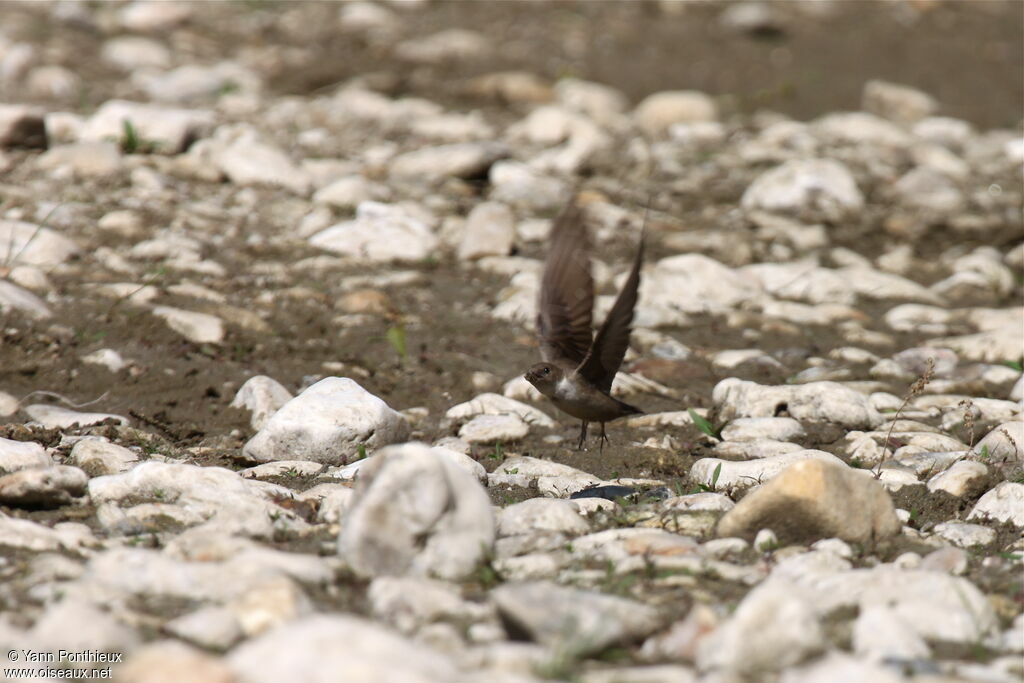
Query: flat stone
751, 428
13, 297
379, 233
96, 457
338, 647
200, 328
898, 103
45, 487
416, 513
55, 417
540, 515
31, 244
573, 621
814, 402
811, 188
496, 404
457, 160
1005, 442
83, 159
742, 475
493, 429
659, 111
158, 129
327, 423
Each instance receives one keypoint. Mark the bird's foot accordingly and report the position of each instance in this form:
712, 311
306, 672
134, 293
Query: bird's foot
583, 436
602, 440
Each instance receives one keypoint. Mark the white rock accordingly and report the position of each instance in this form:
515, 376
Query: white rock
129, 53
434, 164
250, 161
541, 514
801, 281
557, 479
23, 534
73, 624
943, 130
96, 457
712, 287
899, 103
494, 428
496, 404
20, 455
1004, 503
751, 428
448, 45
55, 417
13, 297
42, 487
350, 191
490, 231
928, 189
200, 328
219, 497
409, 603
940, 607
31, 244
379, 232
166, 130
147, 17
860, 129
328, 647
962, 479
416, 513
657, 112
837, 667
82, 159
517, 184
754, 449
573, 621
817, 187
816, 401
327, 423
1005, 442
600, 102
742, 475
774, 627
212, 627
964, 535
108, 358
262, 396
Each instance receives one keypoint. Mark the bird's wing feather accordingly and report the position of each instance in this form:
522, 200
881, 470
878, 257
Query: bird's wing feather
566, 292
605, 356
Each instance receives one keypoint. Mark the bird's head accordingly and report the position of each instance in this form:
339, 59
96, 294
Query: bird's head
544, 376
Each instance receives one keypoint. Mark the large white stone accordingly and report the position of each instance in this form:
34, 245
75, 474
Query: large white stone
433, 164
812, 402
200, 328
327, 423
571, 621
745, 474
55, 417
325, 648
490, 231
541, 514
657, 112
213, 495
31, 244
773, 628
379, 232
1005, 442
250, 161
416, 513
709, 285
496, 404
164, 129
820, 188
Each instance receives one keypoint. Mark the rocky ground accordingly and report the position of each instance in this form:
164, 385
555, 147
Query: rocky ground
267, 281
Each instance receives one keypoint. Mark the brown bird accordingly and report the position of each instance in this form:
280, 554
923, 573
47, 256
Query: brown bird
578, 366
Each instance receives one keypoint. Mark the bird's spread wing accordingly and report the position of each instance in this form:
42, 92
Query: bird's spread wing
605, 357
566, 291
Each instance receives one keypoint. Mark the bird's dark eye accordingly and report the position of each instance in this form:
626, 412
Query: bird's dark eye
546, 371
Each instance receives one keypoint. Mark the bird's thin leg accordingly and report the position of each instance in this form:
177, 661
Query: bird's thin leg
602, 440
583, 435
